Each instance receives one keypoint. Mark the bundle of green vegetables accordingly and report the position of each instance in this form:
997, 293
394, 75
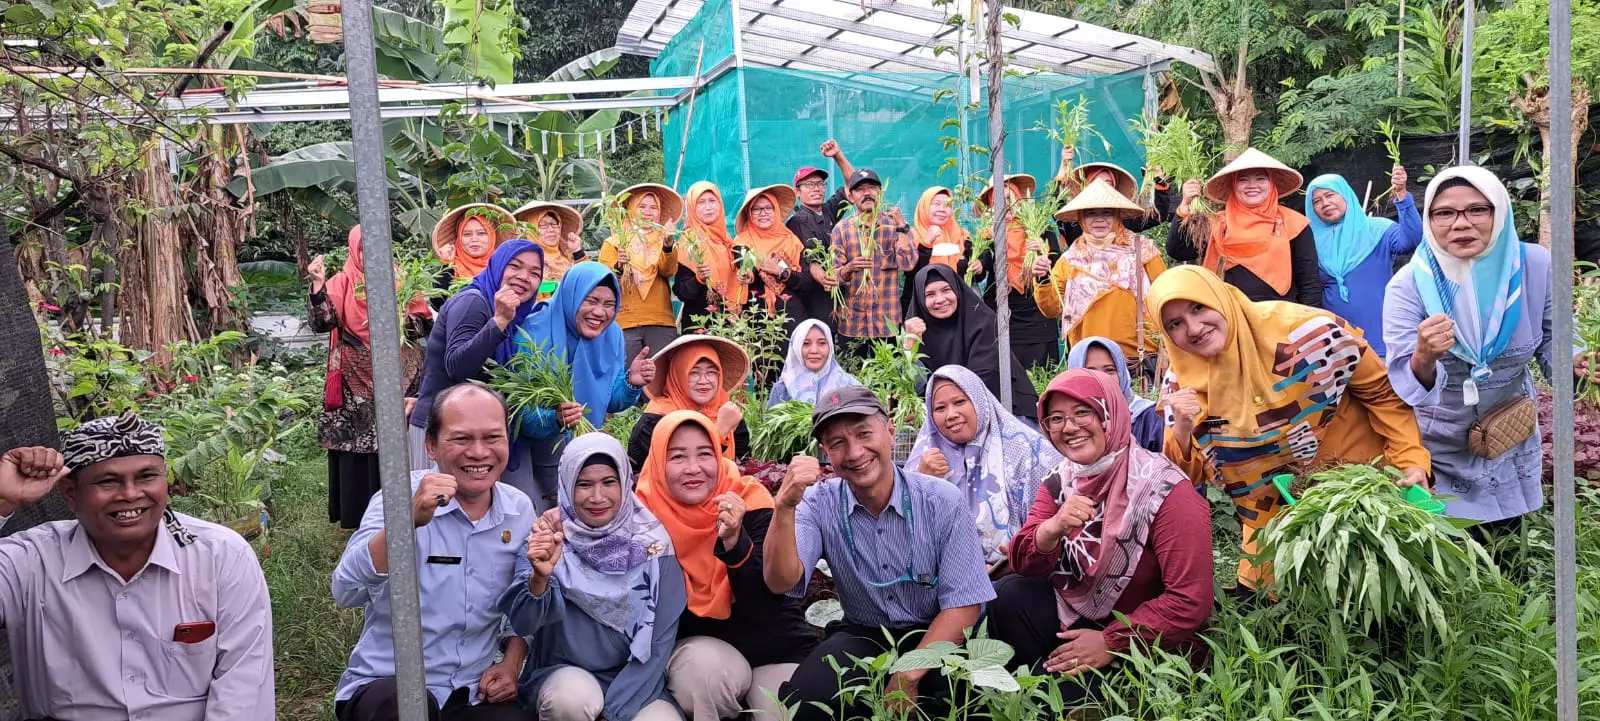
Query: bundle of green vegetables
1037, 218
1354, 548
782, 432
1177, 149
822, 257
535, 379
892, 372
982, 242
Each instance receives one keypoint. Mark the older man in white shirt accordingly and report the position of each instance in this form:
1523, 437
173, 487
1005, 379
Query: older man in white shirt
132, 611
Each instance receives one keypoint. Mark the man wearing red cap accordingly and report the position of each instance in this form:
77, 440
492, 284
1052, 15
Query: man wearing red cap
814, 217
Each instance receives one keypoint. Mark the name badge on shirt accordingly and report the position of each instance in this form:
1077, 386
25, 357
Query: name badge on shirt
445, 560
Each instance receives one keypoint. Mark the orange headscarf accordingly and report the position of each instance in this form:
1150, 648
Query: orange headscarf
716, 248
694, 528
677, 388
469, 266
346, 290
951, 232
1256, 238
1016, 242
774, 241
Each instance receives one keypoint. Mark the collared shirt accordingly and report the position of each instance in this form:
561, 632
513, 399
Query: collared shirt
941, 541
461, 621
87, 645
872, 297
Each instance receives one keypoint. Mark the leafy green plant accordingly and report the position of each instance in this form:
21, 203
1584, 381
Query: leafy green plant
1586, 308
1354, 548
892, 372
822, 257
982, 242
1177, 148
535, 379
782, 432
620, 425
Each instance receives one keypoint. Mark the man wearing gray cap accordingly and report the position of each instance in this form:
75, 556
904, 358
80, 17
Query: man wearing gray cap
131, 611
903, 548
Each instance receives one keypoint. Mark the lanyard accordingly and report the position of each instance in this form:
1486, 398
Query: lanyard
849, 540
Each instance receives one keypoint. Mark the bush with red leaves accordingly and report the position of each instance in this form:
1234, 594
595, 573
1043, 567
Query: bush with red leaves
1585, 436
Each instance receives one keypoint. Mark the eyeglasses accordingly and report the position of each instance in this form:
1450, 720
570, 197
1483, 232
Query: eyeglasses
549, 224
1474, 213
812, 185
763, 210
1080, 419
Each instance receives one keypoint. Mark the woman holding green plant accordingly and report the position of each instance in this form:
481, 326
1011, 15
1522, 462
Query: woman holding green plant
348, 425
708, 277
1259, 389
771, 253
1075, 179
1462, 322
577, 329
1357, 252
641, 252
1117, 545
1255, 244
476, 326
1035, 337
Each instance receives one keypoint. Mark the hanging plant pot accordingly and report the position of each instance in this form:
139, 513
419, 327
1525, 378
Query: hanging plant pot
325, 22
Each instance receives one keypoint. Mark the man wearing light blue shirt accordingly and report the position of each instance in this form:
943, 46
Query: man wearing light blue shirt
472, 535
905, 554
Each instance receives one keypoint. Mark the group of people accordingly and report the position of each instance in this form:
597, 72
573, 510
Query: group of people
569, 576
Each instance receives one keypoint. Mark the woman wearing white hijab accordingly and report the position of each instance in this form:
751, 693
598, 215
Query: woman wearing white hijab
1461, 323
995, 459
812, 367
603, 599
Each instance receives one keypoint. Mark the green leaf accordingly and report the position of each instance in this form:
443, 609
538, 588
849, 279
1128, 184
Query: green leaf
479, 31
986, 652
930, 657
996, 678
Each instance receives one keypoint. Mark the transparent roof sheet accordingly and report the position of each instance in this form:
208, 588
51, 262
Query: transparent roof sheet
898, 36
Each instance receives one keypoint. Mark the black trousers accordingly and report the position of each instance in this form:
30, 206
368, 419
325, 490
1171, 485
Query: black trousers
1023, 614
1035, 355
815, 679
377, 701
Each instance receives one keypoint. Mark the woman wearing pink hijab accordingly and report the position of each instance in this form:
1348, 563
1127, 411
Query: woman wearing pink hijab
1115, 529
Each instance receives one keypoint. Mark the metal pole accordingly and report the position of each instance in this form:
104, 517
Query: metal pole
1562, 250
372, 200
1464, 124
997, 198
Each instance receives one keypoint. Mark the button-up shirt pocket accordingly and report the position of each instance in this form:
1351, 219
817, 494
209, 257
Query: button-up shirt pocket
184, 670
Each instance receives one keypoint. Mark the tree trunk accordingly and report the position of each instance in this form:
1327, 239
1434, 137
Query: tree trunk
219, 228
100, 204
1235, 105
155, 306
1534, 104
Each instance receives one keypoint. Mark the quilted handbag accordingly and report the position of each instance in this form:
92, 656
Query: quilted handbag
1503, 427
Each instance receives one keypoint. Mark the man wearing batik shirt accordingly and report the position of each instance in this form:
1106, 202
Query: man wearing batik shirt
131, 611
873, 249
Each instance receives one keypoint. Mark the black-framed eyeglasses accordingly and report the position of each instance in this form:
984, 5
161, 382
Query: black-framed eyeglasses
758, 210
1474, 213
812, 185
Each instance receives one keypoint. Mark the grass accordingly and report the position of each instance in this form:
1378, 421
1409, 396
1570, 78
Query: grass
311, 637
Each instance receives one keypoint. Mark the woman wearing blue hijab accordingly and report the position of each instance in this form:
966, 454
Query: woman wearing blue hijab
1105, 355
1357, 252
579, 324
475, 326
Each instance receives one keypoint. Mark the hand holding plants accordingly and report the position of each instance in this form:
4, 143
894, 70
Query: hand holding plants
433, 493
1041, 267
1084, 648
730, 518
803, 473
1191, 190
826, 280
27, 474
901, 683
643, 369
569, 415
1397, 182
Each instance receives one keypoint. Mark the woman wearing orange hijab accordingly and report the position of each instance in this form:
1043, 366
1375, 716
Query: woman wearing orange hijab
645, 261
1256, 245
934, 224
1035, 337
348, 425
466, 236
776, 250
737, 641
695, 373
707, 279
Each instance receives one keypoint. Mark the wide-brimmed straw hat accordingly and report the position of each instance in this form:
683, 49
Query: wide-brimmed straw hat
1287, 179
1025, 185
571, 220
671, 202
1099, 196
782, 195
498, 218
735, 364
1125, 184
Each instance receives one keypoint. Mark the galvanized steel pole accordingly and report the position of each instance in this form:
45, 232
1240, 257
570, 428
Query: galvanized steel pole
1464, 124
1561, 251
372, 199
997, 198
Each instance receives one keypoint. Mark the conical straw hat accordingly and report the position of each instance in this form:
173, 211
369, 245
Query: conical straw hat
783, 195
1024, 182
499, 219
671, 202
1099, 195
1125, 184
1221, 185
571, 220
735, 362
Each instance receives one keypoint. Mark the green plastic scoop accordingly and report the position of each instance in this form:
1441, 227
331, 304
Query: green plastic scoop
1414, 495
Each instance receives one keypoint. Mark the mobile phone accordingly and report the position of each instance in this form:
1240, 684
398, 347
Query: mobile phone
194, 631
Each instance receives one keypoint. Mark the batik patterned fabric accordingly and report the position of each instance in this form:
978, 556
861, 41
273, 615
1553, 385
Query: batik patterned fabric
103, 439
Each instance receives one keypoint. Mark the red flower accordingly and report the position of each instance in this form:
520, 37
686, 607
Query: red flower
189, 379
48, 307
57, 351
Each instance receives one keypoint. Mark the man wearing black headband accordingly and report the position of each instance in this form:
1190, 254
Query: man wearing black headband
132, 611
